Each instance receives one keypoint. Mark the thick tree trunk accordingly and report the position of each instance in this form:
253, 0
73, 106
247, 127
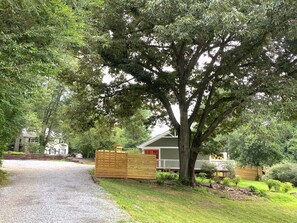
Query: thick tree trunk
191, 169
184, 139
184, 155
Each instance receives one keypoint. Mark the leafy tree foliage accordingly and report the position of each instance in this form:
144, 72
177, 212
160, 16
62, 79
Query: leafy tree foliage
133, 131
43, 109
36, 39
261, 140
208, 57
98, 137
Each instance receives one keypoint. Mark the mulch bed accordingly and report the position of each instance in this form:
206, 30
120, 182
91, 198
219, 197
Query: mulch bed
233, 193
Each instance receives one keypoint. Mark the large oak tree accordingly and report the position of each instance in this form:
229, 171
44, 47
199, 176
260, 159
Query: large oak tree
208, 57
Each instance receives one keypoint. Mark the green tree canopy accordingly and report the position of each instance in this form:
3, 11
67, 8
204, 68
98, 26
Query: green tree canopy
262, 139
36, 39
208, 57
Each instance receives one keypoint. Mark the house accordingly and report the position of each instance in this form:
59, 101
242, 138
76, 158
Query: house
165, 147
56, 148
28, 139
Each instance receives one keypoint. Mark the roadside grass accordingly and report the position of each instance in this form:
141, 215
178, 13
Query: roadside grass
3, 178
149, 202
14, 153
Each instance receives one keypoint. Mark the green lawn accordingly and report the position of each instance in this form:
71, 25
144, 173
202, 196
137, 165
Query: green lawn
147, 202
258, 184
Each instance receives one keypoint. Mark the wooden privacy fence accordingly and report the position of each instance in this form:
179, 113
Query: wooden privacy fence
118, 164
249, 173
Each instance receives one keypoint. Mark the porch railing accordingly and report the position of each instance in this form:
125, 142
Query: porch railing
174, 164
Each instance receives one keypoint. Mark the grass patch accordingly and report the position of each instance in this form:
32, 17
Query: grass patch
14, 153
147, 202
260, 185
92, 172
3, 178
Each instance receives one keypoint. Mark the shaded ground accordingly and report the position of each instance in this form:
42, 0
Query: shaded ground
52, 192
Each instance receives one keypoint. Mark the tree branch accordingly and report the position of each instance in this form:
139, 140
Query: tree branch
218, 120
164, 100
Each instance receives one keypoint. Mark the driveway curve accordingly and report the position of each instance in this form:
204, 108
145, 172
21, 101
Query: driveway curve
54, 192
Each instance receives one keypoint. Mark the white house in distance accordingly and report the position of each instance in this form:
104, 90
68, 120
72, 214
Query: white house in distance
56, 149
165, 147
28, 138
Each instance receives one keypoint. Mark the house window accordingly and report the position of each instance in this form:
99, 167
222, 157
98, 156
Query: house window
33, 140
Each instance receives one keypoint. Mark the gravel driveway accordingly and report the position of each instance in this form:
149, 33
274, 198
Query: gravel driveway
52, 192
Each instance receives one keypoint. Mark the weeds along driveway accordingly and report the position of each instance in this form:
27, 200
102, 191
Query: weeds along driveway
52, 192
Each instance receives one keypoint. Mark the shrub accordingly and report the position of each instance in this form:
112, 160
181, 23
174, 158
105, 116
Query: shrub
276, 184
209, 169
217, 179
35, 148
202, 176
253, 188
287, 186
284, 172
262, 193
165, 176
231, 169
269, 183
236, 180
226, 181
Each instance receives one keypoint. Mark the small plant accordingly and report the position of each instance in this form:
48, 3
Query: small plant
202, 176
217, 179
287, 186
269, 184
262, 193
166, 176
226, 181
209, 169
92, 171
253, 188
276, 184
236, 180
160, 182
231, 169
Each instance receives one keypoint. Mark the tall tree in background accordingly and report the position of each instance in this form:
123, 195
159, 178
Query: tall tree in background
208, 57
36, 39
43, 109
